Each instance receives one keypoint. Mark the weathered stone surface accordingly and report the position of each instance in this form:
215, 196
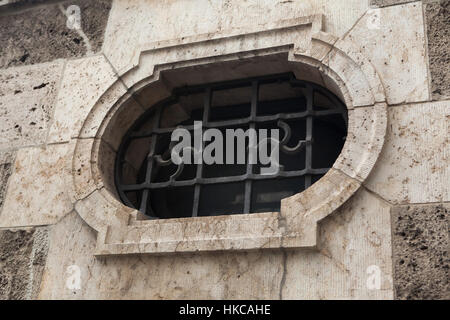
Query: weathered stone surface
183, 18
6, 163
224, 234
37, 192
396, 48
413, 166
438, 29
23, 254
386, 3
421, 251
83, 83
27, 99
40, 34
8, 4
357, 237
365, 138
230, 275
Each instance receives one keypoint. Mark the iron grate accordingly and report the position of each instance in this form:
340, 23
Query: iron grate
142, 190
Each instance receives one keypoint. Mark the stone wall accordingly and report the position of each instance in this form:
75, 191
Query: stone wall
38, 33
23, 255
421, 244
51, 77
437, 15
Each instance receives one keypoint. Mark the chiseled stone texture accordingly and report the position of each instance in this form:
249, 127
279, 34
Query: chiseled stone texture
6, 163
27, 99
40, 34
356, 237
438, 29
183, 18
421, 251
414, 163
396, 48
23, 255
182, 276
37, 192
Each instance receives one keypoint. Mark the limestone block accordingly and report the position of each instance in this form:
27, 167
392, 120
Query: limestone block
81, 170
90, 174
222, 275
166, 20
37, 192
365, 138
71, 241
27, 100
397, 49
420, 246
303, 211
84, 82
6, 164
356, 237
414, 164
115, 96
199, 49
351, 76
101, 201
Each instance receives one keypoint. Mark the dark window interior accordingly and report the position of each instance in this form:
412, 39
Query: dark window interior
311, 113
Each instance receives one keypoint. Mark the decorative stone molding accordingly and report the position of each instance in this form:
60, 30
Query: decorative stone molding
335, 64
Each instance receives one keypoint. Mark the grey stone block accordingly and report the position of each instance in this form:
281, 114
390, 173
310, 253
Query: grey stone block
420, 250
40, 34
386, 3
22, 259
438, 29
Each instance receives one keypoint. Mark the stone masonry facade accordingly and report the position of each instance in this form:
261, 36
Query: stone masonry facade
383, 210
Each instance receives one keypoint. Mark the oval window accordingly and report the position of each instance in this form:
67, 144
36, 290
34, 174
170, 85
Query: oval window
230, 148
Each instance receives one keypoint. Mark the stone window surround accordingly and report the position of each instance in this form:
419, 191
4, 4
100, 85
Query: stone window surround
343, 70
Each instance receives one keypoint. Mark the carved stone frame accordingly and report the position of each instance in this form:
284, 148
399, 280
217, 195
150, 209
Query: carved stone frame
121, 230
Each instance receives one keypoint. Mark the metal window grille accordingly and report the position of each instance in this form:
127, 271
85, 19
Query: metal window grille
142, 189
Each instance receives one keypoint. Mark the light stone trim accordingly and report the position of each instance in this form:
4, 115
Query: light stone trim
121, 230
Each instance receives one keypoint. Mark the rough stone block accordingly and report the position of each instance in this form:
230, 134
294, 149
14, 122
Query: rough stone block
387, 3
23, 254
40, 34
420, 249
438, 28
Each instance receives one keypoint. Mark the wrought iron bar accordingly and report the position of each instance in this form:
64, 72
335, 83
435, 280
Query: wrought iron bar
199, 182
